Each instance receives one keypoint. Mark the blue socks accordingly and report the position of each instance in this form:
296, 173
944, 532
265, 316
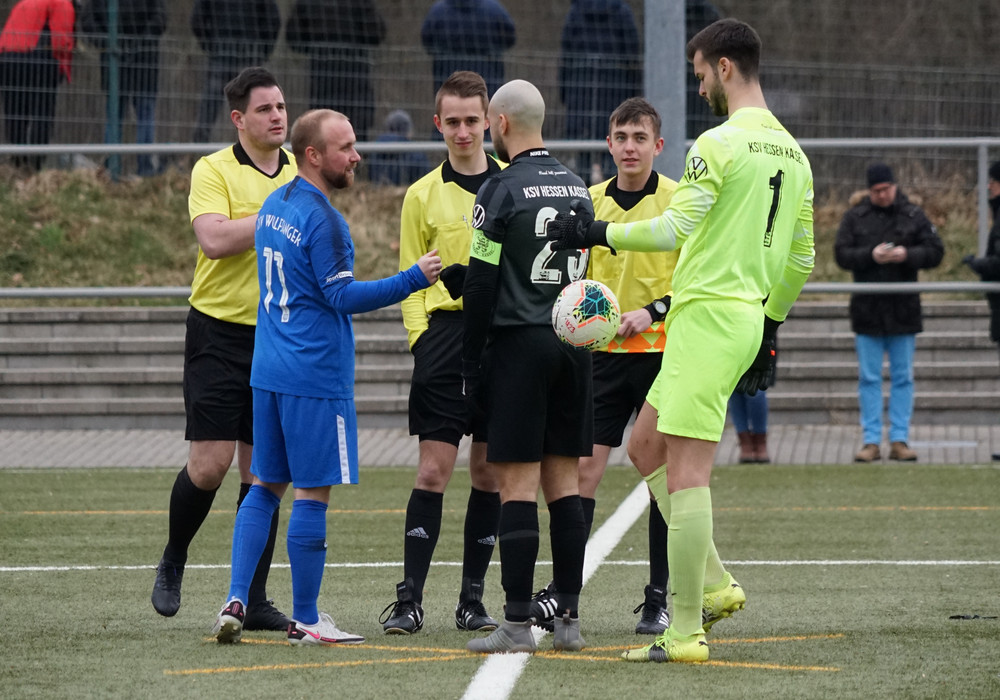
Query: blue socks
307, 555
253, 526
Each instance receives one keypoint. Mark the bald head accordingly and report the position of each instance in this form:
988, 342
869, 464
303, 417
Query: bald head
522, 104
516, 113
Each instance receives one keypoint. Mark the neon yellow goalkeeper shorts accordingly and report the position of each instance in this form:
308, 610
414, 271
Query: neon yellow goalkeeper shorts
709, 346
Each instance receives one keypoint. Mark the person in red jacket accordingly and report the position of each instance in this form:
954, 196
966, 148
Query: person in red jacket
36, 54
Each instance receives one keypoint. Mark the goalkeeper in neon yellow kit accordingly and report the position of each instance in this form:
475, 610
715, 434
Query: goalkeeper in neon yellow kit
742, 220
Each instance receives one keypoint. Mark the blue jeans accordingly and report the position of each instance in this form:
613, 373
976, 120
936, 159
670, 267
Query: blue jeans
871, 350
145, 127
749, 413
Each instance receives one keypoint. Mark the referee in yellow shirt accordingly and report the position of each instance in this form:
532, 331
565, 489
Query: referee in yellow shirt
227, 189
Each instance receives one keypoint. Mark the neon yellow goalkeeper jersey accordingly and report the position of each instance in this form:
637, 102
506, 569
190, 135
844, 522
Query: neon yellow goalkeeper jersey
741, 217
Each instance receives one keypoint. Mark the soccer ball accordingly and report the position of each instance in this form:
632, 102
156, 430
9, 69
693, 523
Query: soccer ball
586, 315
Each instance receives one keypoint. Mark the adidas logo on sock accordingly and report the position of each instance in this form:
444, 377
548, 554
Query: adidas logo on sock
418, 532
488, 541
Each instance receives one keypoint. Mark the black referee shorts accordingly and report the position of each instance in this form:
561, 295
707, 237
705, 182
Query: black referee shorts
539, 397
437, 406
217, 396
621, 382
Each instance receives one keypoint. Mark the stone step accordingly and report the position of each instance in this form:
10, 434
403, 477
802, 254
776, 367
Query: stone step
91, 368
154, 413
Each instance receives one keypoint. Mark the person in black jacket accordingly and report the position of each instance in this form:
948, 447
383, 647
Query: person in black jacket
988, 266
468, 35
599, 68
886, 238
337, 35
140, 25
236, 34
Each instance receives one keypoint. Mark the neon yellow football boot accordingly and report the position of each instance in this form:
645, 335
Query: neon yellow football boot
672, 647
722, 603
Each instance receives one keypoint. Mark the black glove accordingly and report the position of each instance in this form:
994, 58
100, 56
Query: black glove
577, 229
760, 375
475, 402
453, 279
974, 263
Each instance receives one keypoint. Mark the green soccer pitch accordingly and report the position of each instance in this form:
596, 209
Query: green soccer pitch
852, 574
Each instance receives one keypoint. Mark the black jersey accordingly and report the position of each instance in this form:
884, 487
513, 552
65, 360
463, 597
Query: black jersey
511, 212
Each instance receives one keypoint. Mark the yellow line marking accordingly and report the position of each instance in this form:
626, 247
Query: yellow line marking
764, 640
297, 667
769, 667
447, 654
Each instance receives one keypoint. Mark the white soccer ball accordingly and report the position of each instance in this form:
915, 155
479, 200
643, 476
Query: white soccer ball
586, 315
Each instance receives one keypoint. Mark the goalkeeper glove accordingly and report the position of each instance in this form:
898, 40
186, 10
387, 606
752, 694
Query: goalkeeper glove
576, 229
453, 279
760, 375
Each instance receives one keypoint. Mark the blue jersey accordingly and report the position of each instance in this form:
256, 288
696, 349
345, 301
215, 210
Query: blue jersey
305, 265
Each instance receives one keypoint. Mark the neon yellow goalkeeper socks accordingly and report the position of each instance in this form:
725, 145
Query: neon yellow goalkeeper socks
657, 484
688, 544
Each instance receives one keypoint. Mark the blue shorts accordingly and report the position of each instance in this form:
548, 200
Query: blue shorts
304, 441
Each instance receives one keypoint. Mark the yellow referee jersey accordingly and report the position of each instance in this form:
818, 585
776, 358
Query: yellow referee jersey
437, 213
227, 182
635, 278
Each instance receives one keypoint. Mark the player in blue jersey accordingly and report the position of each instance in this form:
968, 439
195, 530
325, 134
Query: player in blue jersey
304, 426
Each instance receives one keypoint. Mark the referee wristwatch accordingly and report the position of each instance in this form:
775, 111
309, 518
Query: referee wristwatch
658, 308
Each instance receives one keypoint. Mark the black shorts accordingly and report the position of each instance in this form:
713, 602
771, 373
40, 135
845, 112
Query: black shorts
437, 406
217, 396
540, 398
621, 382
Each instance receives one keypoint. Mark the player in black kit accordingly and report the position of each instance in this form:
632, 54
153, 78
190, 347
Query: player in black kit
533, 391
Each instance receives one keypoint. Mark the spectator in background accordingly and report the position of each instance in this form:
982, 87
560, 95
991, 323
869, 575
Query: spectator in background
140, 25
401, 167
236, 34
988, 266
749, 415
337, 35
884, 237
600, 67
36, 54
468, 35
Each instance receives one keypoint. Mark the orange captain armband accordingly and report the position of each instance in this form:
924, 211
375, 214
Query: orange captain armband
653, 339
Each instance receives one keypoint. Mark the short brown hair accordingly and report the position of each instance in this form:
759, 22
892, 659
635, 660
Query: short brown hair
463, 83
239, 88
632, 111
732, 39
308, 131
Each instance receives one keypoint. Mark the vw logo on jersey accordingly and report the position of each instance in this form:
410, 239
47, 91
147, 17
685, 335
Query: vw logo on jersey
478, 216
696, 167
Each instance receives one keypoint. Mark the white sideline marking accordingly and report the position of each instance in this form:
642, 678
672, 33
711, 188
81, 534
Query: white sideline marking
498, 674
613, 562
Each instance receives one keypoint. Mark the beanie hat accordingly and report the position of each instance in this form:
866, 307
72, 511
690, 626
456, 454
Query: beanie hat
995, 171
399, 122
879, 173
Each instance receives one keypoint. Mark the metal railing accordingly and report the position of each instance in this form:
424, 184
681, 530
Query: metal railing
980, 144
184, 292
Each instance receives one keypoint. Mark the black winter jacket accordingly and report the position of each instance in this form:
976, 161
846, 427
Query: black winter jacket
865, 226
988, 268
